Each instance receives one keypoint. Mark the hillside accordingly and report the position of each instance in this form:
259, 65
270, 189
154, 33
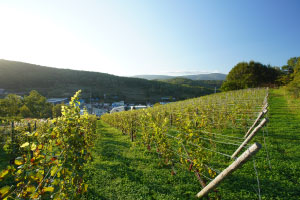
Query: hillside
21, 78
195, 83
210, 76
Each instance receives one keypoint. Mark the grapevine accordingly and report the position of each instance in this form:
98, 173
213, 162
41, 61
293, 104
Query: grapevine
50, 155
185, 130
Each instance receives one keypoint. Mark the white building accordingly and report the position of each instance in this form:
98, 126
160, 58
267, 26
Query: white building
57, 100
138, 107
117, 104
99, 111
118, 109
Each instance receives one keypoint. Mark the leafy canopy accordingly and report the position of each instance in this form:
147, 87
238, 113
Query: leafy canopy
250, 75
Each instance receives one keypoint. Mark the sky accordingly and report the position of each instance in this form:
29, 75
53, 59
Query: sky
133, 37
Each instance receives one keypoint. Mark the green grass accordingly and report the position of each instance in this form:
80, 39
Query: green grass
282, 135
121, 171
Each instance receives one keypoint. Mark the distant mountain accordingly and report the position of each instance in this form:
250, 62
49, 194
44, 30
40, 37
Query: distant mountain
18, 77
154, 77
211, 76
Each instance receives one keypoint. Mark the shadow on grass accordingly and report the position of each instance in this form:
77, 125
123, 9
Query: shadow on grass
121, 173
269, 189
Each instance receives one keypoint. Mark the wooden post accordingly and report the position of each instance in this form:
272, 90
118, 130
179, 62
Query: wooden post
202, 182
12, 131
131, 134
29, 130
197, 174
131, 131
261, 114
231, 168
12, 136
262, 123
29, 127
197, 113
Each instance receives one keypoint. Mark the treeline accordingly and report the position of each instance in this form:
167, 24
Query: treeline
292, 76
254, 74
33, 105
212, 84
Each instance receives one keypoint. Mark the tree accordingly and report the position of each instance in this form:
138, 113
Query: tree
56, 110
38, 105
25, 112
9, 106
294, 77
294, 86
250, 75
3, 108
34, 105
294, 63
13, 104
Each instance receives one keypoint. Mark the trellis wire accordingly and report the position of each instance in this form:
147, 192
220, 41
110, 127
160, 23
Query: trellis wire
266, 147
224, 154
179, 155
257, 179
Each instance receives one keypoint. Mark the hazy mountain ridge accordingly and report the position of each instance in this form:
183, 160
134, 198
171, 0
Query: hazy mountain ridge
209, 76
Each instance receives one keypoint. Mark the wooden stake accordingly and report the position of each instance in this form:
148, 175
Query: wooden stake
231, 168
131, 131
262, 123
261, 114
197, 174
12, 136
12, 131
202, 182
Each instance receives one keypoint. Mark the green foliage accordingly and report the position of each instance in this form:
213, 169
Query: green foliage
25, 112
9, 106
185, 128
38, 105
294, 86
294, 65
48, 160
292, 76
34, 105
250, 75
289, 71
201, 84
56, 110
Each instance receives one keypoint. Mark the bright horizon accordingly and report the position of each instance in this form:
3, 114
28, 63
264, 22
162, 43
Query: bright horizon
128, 38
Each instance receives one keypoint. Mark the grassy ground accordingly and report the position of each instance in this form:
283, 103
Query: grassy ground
120, 171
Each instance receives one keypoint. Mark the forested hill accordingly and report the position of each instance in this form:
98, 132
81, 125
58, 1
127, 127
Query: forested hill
21, 78
195, 83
